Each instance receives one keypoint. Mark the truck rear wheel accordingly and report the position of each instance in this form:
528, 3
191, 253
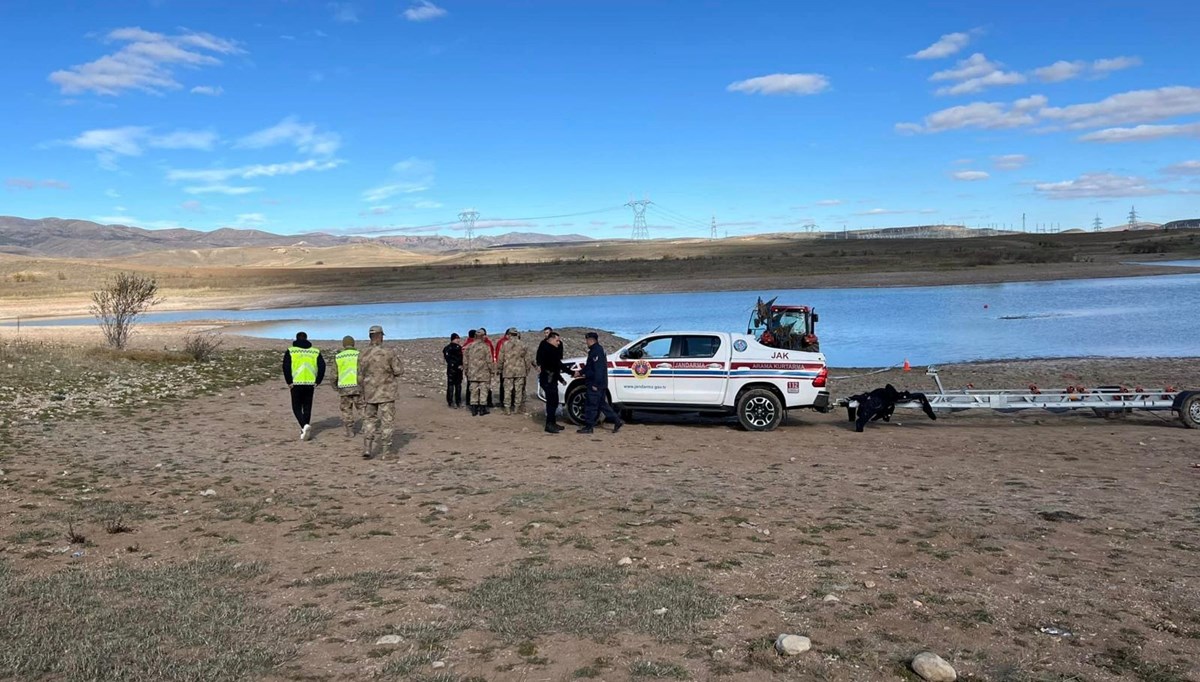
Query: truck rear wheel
1189, 412
759, 410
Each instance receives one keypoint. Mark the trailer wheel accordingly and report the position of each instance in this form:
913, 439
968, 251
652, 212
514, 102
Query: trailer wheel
1189, 412
759, 410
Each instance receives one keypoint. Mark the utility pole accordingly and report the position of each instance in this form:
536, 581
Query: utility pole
1097, 225
639, 217
713, 234
1022, 222
468, 218
1133, 219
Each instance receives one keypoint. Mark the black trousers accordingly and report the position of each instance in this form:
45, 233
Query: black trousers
302, 399
597, 401
454, 381
549, 384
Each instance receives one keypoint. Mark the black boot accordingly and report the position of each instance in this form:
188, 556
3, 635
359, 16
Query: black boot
474, 410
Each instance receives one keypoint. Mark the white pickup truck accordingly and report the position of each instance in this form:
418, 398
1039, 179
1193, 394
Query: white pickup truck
708, 373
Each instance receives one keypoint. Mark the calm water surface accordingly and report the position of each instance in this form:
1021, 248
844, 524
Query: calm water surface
1119, 317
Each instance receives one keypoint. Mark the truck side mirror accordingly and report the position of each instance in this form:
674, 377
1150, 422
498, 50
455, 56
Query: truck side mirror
816, 318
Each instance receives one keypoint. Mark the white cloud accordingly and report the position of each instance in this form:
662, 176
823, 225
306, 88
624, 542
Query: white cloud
251, 219
424, 11
1136, 106
376, 210
947, 45
192, 206
221, 189
409, 176
112, 194
125, 141
111, 143
830, 202
985, 115
427, 204
1106, 66
1098, 186
1060, 71
131, 221
1142, 133
1009, 162
974, 74
1063, 70
210, 90
185, 139
782, 84
270, 170
303, 136
147, 62
971, 175
344, 12
1183, 168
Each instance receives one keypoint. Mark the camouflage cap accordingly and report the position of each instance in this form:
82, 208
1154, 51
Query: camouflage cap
347, 341
375, 329
512, 331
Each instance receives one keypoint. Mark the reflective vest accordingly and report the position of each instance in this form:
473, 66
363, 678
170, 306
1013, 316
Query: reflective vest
304, 365
347, 367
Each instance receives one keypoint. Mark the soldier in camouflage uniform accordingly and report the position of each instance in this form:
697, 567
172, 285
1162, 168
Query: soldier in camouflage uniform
346, 382
480, 369
514, 368
378, 368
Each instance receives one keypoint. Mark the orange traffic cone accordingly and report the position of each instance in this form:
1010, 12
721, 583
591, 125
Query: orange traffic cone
907, 367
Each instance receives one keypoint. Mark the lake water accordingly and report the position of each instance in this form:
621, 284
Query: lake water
871, 327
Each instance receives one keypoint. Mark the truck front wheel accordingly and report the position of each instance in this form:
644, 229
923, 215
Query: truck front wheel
574, 403
759, 410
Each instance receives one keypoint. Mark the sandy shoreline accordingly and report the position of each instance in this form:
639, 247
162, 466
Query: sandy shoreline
76, 305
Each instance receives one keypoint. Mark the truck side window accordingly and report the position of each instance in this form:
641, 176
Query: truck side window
700, 346
653, 349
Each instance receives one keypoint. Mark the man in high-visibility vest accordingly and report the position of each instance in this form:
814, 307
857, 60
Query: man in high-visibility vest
346, 383
303, 370
378, 369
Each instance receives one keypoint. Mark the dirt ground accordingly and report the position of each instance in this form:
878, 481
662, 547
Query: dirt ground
1036, 547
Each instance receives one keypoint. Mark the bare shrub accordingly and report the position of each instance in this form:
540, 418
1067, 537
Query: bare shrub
118, 305
202, 346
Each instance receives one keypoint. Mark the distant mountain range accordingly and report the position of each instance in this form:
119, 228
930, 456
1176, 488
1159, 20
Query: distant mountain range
65, 238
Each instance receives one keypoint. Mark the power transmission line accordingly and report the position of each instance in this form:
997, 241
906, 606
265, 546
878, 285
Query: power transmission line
468, 219
639, 218
713, 233
1133, 218
1097, 224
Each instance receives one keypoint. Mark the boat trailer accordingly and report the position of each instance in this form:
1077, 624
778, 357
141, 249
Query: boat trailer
1104, 401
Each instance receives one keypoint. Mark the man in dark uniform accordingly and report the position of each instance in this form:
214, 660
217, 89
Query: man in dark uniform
453, 354
595, 377
550, 367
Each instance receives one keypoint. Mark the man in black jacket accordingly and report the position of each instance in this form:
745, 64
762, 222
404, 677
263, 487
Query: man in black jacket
303, 371
453, 353
550, 367
595, 377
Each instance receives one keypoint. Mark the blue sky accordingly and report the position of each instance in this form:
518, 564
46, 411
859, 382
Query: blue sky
392, 117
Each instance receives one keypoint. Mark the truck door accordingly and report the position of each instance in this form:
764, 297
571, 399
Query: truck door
645, 373
701, 370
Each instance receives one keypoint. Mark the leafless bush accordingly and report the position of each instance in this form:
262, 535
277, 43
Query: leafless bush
202, 346
118, 305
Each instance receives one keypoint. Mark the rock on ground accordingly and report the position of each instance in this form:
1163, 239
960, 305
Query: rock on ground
933, 668
791, 645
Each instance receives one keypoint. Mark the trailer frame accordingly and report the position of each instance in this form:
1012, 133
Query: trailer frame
1104, 401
